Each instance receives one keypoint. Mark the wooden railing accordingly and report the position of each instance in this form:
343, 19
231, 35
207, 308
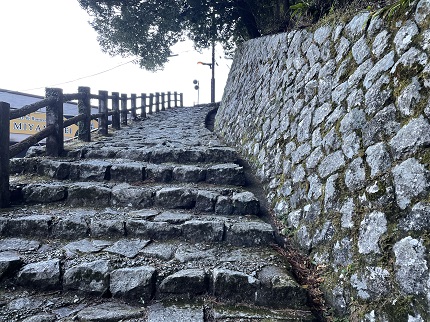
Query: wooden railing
55, 123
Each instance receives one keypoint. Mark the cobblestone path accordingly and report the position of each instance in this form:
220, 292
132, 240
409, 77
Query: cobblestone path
153, 223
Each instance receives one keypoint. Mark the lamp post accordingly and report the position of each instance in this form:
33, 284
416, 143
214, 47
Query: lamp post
212, 67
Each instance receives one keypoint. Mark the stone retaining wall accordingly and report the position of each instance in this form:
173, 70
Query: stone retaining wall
335, 123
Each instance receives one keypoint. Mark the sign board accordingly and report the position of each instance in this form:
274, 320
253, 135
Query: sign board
36, 122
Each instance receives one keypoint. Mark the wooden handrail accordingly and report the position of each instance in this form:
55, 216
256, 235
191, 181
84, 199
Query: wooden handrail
30, 108
31, 140
55, 122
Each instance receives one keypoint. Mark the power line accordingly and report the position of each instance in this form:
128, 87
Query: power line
80, 78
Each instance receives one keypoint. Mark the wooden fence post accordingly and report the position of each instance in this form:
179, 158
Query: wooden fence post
124, 109
133, 106
169, 100
151, 102
84, 107
116, 124
54, 116
163, 101
4, 154
181, 98
175, 96
157, 102
143, 105
103, 120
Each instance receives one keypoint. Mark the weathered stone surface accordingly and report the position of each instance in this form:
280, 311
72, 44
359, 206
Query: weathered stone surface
380, 43
383, 65
405, 173
245, 203
173, 217
351, 145
152, 230
127, 172
130, 196
18, 244
159, 173
410, 59
203, 231
355, 175
342, 253
357, 25
9, 263
411, 137
249, 234
372, 284
94, 170
41, 275
404, 36
205, 201
411, 265
41, 318
49, 192
229, 173
381, 127
34, 225
173, 198
422, 12
109, 312
278, 289
159, 313
161, 251
92, 277
234, 286
85, 246
74, 226
107, 228
373, 226
188, 281
136, 283
360, 50
54, 169
88, 194
378, 159
331, 164
189, 173
127, 247
417, 219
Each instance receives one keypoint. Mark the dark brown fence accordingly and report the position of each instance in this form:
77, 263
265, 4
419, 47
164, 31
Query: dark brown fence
55, 124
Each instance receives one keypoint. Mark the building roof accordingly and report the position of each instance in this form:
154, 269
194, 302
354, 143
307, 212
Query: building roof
19, 99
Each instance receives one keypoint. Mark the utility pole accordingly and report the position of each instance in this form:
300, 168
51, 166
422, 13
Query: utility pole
213, 73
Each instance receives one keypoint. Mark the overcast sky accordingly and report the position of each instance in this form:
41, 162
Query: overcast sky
46, 43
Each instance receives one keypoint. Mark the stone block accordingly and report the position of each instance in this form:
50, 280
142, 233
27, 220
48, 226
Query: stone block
234, 286
127, 173
198, 231
44, 193
34, 225
173, 198
41, 275
249, 234
88, 194
279, 290
90, 278
110, 311
107, 228
9, 263
205, 201
124, 195
245, 203
152, 230
136, 283
229, 173
372, 227
189, 173
188, 282
159, 173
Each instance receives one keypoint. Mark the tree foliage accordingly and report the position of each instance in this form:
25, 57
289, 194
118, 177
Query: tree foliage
147, 29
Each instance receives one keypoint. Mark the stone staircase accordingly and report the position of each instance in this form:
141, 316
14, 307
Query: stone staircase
153, 223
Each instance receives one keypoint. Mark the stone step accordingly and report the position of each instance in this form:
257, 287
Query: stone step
204, 198
120, 170
140, 271
159, 225
156, 154
59, 306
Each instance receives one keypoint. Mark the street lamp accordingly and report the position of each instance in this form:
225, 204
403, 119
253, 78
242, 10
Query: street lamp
212, 67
